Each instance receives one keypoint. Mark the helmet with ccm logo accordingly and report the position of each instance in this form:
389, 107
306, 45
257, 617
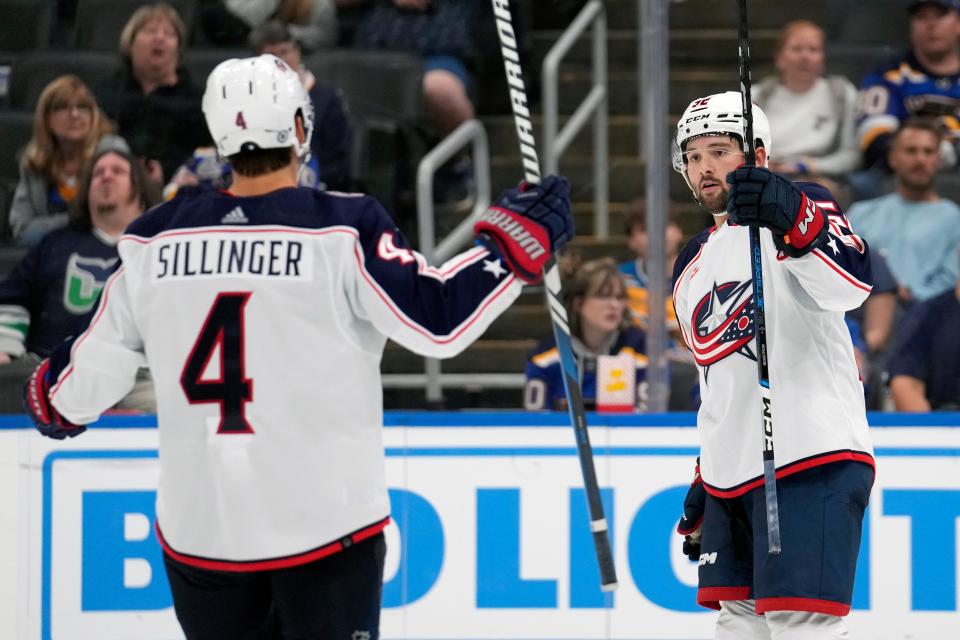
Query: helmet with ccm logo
252, 103
719, 114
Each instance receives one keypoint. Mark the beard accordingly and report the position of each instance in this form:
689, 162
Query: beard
715, 202
107, 208
921, 184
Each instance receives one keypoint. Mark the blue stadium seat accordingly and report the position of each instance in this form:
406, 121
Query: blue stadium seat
34, 70
383, 90
16, 127
25, 24
200, 62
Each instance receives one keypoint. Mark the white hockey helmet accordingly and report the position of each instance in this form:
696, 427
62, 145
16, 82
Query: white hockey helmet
253, 102
721, 113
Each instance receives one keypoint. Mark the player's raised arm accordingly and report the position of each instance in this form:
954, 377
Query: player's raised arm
439, 311
815, 242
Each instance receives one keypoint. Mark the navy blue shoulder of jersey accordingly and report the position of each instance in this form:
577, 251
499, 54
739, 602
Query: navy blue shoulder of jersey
851, 254
291, 207
688, 252
818, 192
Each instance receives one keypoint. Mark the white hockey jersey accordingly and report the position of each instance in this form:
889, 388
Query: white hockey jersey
817, 395
263, 321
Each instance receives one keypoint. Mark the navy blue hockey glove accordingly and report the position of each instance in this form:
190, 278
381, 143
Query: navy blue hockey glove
759, 197
527, 224
36, 402
691, 522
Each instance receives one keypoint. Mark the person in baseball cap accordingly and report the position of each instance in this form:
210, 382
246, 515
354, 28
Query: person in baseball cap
946, 4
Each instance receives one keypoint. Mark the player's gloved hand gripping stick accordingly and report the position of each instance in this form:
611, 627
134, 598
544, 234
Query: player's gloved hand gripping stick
558, 315
761, 198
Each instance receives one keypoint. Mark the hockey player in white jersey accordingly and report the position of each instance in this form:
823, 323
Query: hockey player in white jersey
814, 269
262, 313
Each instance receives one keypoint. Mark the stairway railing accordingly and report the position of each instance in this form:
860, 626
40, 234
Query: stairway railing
470, 132
594, 106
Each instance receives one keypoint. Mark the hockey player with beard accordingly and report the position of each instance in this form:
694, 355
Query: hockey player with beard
814, 269
263, 313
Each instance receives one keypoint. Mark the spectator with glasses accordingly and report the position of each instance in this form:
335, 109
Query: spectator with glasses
67, 127
595, 298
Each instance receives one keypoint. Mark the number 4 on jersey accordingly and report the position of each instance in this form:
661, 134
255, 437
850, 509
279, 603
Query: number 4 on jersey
223, 328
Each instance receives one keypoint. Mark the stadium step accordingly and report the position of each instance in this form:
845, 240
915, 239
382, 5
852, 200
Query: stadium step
722, 14
623, 95
626, 177
623, 137
483, 356
687, 47
520, 321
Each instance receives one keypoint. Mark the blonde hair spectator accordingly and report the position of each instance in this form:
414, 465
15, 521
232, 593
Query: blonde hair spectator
65, 93
146, 14
68, 125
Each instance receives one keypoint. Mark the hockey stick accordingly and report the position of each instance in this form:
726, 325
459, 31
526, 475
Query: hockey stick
558, 314
760, 320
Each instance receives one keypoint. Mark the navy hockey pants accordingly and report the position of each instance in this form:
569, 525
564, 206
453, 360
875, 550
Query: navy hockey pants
334, 598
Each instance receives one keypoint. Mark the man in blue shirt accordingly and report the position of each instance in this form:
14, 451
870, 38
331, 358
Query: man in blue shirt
925, 365
915, 229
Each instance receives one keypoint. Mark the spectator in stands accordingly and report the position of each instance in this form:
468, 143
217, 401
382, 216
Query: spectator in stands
925, 362
871, 325
56, 284
332, 140
635, 271
67, 127
230, 23
914, 229
596, 304
154, 102
812, 117
445, 34
925, 81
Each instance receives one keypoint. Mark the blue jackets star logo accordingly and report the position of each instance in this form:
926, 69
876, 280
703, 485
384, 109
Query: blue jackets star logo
494, 267
723, 323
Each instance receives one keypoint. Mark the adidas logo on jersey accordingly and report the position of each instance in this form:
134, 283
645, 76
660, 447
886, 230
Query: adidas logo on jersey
236, 216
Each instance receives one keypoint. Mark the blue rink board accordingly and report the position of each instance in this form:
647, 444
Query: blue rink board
521, 419
463, 419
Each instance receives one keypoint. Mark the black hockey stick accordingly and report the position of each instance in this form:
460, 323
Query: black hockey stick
760, 320
558, 314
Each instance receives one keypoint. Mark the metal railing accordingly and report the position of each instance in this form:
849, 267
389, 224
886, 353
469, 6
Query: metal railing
470, 132
555, 142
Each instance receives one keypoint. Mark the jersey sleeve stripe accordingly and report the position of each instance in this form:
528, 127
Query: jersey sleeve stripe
457, 331
842, 273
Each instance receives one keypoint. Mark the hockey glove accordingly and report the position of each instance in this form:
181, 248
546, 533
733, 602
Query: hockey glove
527, 224
691, 522
36, 402
759, 197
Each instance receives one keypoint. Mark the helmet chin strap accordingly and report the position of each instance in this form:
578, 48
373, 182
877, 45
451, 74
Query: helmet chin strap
302, 161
